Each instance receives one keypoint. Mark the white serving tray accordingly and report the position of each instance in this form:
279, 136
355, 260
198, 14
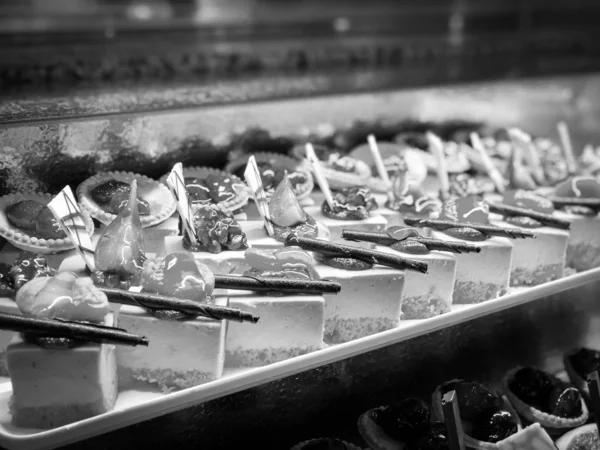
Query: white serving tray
140, 404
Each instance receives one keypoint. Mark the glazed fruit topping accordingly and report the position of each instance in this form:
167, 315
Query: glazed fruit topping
585, 361
28, 266
288, 262
198, 191
216, 231
36, 218
546, 393
7, 283
350, 204
284, 207
114, 195
406, 421
494, 425
325, 444
473, 399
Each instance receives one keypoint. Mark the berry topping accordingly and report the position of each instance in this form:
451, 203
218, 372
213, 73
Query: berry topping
565, 402
493, 426
27, 267
532, 386
473, 398
406, 421
216, 231
47, 227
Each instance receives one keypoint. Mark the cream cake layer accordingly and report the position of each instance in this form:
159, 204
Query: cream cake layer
481, 276
375, 222
369, 302
427, 295
7, 306
257, 235
182, 353
583, 247
289, 326
52, 388
539, 260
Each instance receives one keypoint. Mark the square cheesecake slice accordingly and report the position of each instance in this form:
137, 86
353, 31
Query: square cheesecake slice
481, 276
539, 260
7, 306
55, 387
374, 222
583, 246
289, 325
368, 303
183, 353
428, 294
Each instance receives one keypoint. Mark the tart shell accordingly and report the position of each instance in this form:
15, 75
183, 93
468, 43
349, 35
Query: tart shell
161, 201
565, 440
242, 194
554, 425
303, 443
471, 442
24, 241
285, 162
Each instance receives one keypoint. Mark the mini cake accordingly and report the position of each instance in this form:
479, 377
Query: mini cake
571, 196
55, 381
353, 208
488, 419
540, 397
273, 167
28, 224
456, 154
538, 260
482, 276
105, 194
290, 325
186, 350
286, 216
340, 171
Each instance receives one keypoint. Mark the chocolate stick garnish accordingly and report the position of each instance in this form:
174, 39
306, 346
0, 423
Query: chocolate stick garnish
72, 330
363, 254
156, 301
382, 238
593, 382
490, 230
452, 420
544, 219
244, 283
593, 203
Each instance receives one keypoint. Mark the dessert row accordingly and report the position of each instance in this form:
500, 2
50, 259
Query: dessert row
224, 282
532, 409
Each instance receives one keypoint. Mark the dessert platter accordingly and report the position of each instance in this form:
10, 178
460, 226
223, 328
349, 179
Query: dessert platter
183, 290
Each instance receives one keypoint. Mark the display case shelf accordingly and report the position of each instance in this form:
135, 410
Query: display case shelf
137, 405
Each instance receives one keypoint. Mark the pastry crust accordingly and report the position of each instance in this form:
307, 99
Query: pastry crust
285, 162
552, 424
25, 241
161, 201
242, 194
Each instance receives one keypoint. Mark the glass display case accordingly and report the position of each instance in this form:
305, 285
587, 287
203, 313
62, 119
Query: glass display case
92, 86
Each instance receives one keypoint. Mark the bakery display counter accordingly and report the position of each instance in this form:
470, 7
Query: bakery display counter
137, 405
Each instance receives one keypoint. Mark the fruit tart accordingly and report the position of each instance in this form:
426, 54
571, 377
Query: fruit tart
487, 418
208, 186
456, 154
543, 398
579, 363
105, 195
406, 424
28, 224
341, 171
273, 167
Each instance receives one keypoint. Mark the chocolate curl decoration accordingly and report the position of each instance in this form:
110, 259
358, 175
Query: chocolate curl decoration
490, 230
383, 238
452, 420
72, 330
155, 301
244, 283
545, 219
592, 203
346, 251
